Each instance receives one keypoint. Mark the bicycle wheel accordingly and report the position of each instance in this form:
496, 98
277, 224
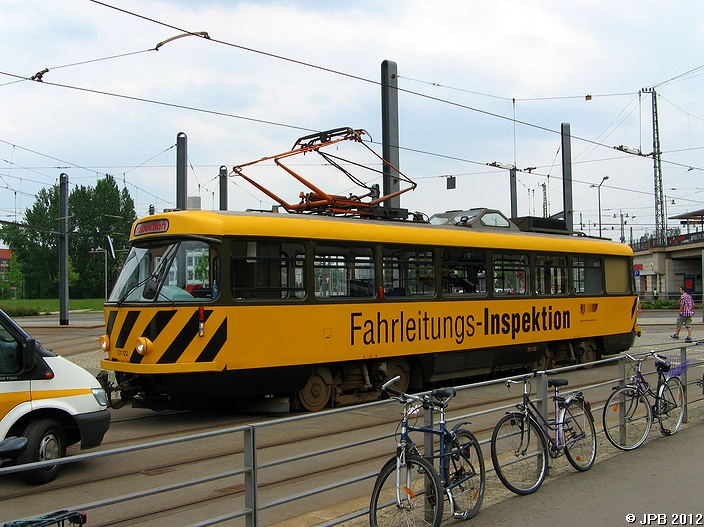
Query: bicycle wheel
466, 475
419, 500
519, 453
671, 405
627, 418
579, 435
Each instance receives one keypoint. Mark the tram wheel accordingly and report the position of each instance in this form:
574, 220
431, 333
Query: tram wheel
316, 393
543, 363
588, 353
403, 370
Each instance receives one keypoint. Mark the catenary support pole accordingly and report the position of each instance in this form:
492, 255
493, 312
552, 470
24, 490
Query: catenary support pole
389, 130
181, 170
223, 188
567, 176
63, 249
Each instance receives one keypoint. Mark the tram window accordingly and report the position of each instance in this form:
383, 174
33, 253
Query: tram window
618, 276
463, 273
493, 219
511, 274
408, 272
587, 275
343, 271
267, 270
551, 275
193, 275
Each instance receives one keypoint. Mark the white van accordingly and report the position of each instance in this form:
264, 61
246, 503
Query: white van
47, 399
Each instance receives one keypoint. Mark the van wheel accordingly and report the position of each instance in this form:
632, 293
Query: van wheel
45, 440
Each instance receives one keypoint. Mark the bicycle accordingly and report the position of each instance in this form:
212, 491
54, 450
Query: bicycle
521, 441
12, 448
628, 413
58, 519
409, 490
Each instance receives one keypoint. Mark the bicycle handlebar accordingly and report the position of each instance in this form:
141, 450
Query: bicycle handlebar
651, 352
527, 376
438, 394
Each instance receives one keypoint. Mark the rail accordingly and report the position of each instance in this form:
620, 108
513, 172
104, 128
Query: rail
251, 503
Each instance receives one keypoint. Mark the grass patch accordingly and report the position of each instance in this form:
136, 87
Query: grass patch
42, 306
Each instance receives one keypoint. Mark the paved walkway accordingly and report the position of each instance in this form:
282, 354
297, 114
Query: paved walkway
659, 483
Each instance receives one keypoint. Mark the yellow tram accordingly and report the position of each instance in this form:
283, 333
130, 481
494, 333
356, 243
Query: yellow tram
224, 306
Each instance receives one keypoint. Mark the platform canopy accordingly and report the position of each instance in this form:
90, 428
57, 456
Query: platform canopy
692, 218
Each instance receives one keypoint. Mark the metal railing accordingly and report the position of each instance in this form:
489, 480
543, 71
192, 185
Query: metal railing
251, 467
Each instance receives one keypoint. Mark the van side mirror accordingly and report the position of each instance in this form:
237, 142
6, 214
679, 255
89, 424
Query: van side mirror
29, 354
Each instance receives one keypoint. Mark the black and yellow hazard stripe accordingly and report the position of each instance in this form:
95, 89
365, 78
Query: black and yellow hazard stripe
174, 335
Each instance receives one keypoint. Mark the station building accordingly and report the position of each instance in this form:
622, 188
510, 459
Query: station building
661, 269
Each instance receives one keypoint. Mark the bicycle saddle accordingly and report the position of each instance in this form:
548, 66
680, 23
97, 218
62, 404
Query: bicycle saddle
662, 365
442, 393
557, 382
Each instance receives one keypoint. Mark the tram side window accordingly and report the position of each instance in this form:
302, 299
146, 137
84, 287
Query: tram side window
193, 275
463, 272
587, 275
344, 271
267, 270
511, 274
551, 275
408, 272
618, 274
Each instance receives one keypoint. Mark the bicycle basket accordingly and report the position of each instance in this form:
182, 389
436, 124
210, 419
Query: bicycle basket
677, 366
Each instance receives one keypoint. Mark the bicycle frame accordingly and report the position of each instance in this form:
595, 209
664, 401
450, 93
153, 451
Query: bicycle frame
445, 438
641, 384
546, 425
413, 404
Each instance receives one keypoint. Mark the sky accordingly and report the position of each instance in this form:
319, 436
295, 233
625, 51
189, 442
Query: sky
480, 82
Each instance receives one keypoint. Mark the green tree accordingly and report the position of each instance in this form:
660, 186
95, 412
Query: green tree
94, 214
14, 280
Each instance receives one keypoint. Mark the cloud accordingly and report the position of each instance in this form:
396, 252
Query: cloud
465, 63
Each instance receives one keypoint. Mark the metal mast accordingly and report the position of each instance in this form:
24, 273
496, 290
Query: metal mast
545, 201
660, 225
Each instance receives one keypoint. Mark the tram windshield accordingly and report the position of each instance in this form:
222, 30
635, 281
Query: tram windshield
180, 271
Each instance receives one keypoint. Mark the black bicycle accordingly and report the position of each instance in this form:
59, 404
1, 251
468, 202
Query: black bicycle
58, 519
629, 413
523, 440
409, 490
12, 448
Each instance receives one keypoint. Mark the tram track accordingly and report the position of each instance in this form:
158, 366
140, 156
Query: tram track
134, 426
371, 458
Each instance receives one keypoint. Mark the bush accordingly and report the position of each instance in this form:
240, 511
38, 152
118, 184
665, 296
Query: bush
19, 311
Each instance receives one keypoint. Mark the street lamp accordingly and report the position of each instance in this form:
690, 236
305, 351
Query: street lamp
598, 188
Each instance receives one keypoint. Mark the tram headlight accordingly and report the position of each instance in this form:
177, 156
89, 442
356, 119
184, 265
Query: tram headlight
104, 342
142, 345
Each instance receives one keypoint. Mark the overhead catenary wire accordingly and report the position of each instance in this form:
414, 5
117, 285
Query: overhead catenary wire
352, 76
308, 64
